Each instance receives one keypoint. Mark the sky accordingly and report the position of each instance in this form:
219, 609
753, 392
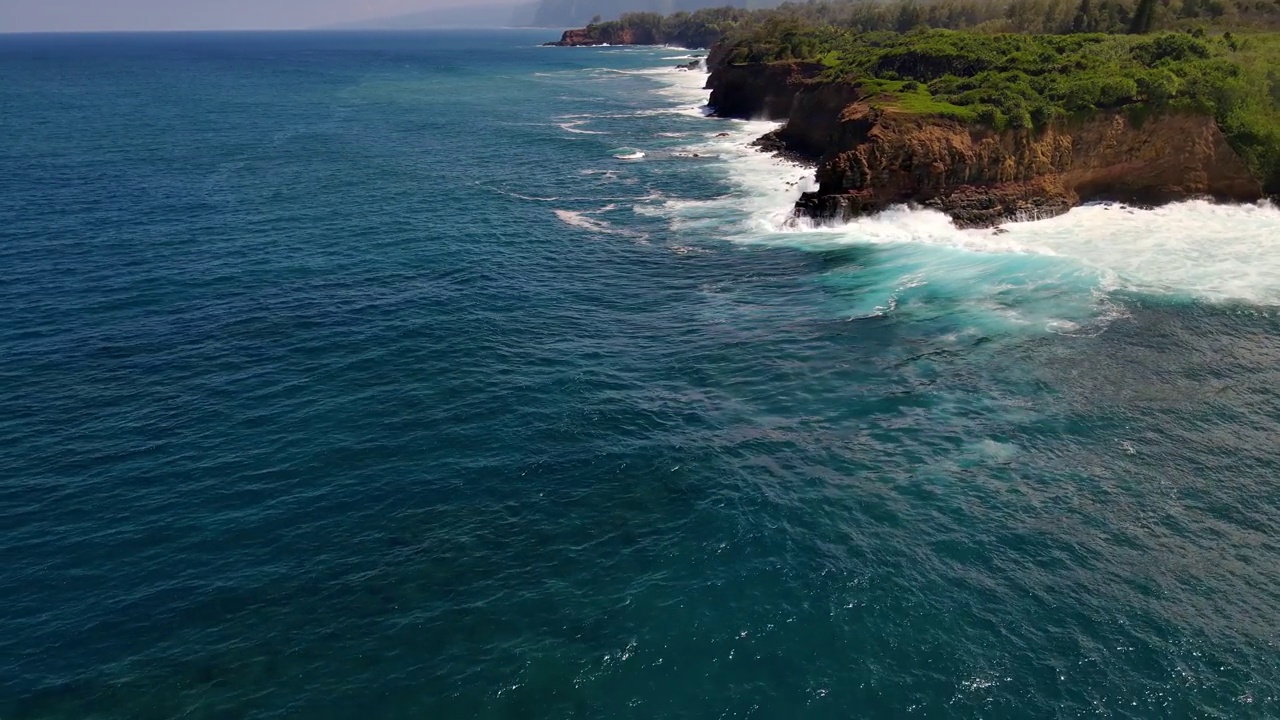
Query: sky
73, 15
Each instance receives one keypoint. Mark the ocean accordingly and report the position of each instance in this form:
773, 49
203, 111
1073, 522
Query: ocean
443, 375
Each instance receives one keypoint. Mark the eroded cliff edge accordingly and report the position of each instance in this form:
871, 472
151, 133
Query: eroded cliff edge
870, 157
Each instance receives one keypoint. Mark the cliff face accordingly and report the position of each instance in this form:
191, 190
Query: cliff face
753, 92
982, 178
871, 159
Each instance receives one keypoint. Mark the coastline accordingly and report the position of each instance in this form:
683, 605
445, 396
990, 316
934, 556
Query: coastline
1174, 247
869, 155
869, 158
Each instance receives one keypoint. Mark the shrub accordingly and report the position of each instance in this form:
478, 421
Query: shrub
990, 116
1170, 46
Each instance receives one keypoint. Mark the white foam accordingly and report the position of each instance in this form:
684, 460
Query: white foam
1199, 249
580, 220
642, 71
1210, 251
765, 188
572, 127
628, 154
684, 89
583, 221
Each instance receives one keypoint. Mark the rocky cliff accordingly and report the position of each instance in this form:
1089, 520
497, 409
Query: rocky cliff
605, 35
870, 156
757, 91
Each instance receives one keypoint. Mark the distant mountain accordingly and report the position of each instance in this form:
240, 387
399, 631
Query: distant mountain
461, 16
576, 13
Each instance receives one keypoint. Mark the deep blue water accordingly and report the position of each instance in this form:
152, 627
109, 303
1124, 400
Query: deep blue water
355, 375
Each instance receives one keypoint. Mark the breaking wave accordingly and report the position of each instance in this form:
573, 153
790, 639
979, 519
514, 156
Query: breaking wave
1194, 250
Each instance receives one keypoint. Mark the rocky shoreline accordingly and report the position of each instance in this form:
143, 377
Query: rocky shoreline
867, 158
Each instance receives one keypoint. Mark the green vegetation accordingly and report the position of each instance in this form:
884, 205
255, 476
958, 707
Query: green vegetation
914, 98
700, 28
985, 16
1029, 17
1019, 63
1030, 81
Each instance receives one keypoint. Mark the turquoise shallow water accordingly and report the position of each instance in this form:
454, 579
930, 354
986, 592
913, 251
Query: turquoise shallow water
354, 375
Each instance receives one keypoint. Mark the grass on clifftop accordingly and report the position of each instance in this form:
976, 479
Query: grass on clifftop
1029, 81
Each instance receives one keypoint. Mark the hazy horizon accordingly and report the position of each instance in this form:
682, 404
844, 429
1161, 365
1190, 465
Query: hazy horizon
19, 16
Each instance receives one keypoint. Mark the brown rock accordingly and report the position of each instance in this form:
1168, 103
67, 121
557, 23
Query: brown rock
980, 177
870, 158
755, 92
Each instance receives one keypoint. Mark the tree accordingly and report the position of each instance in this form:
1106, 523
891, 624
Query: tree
909, 16
1144, 17
1085, 20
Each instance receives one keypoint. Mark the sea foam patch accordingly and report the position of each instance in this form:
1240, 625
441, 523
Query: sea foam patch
1210, 251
